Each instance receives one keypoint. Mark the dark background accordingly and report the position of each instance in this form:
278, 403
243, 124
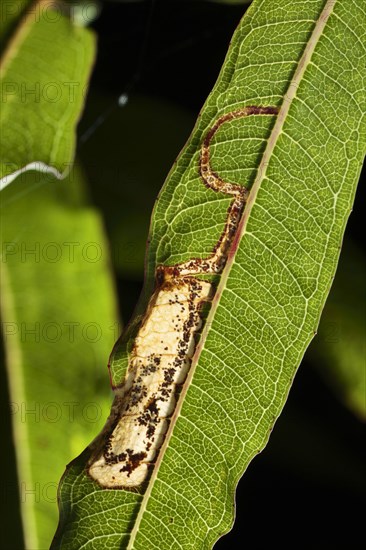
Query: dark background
305, 490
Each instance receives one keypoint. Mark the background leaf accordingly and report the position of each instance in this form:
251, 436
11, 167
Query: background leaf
59, 323
43, 78
302, 106
44, 74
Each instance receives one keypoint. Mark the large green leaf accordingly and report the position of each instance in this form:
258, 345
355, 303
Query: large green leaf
43, 78
58, 320
302, 168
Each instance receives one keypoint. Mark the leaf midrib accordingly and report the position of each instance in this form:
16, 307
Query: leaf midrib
261, 174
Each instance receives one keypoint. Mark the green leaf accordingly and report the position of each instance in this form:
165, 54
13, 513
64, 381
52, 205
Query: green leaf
302, 168
58, 321
339, 348
43, 78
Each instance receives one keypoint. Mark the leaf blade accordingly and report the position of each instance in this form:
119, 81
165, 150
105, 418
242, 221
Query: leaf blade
220, 320
249, 358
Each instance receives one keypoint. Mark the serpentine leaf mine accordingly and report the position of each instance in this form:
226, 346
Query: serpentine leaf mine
165, 344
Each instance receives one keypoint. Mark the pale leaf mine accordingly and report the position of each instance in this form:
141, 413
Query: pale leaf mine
165, 344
